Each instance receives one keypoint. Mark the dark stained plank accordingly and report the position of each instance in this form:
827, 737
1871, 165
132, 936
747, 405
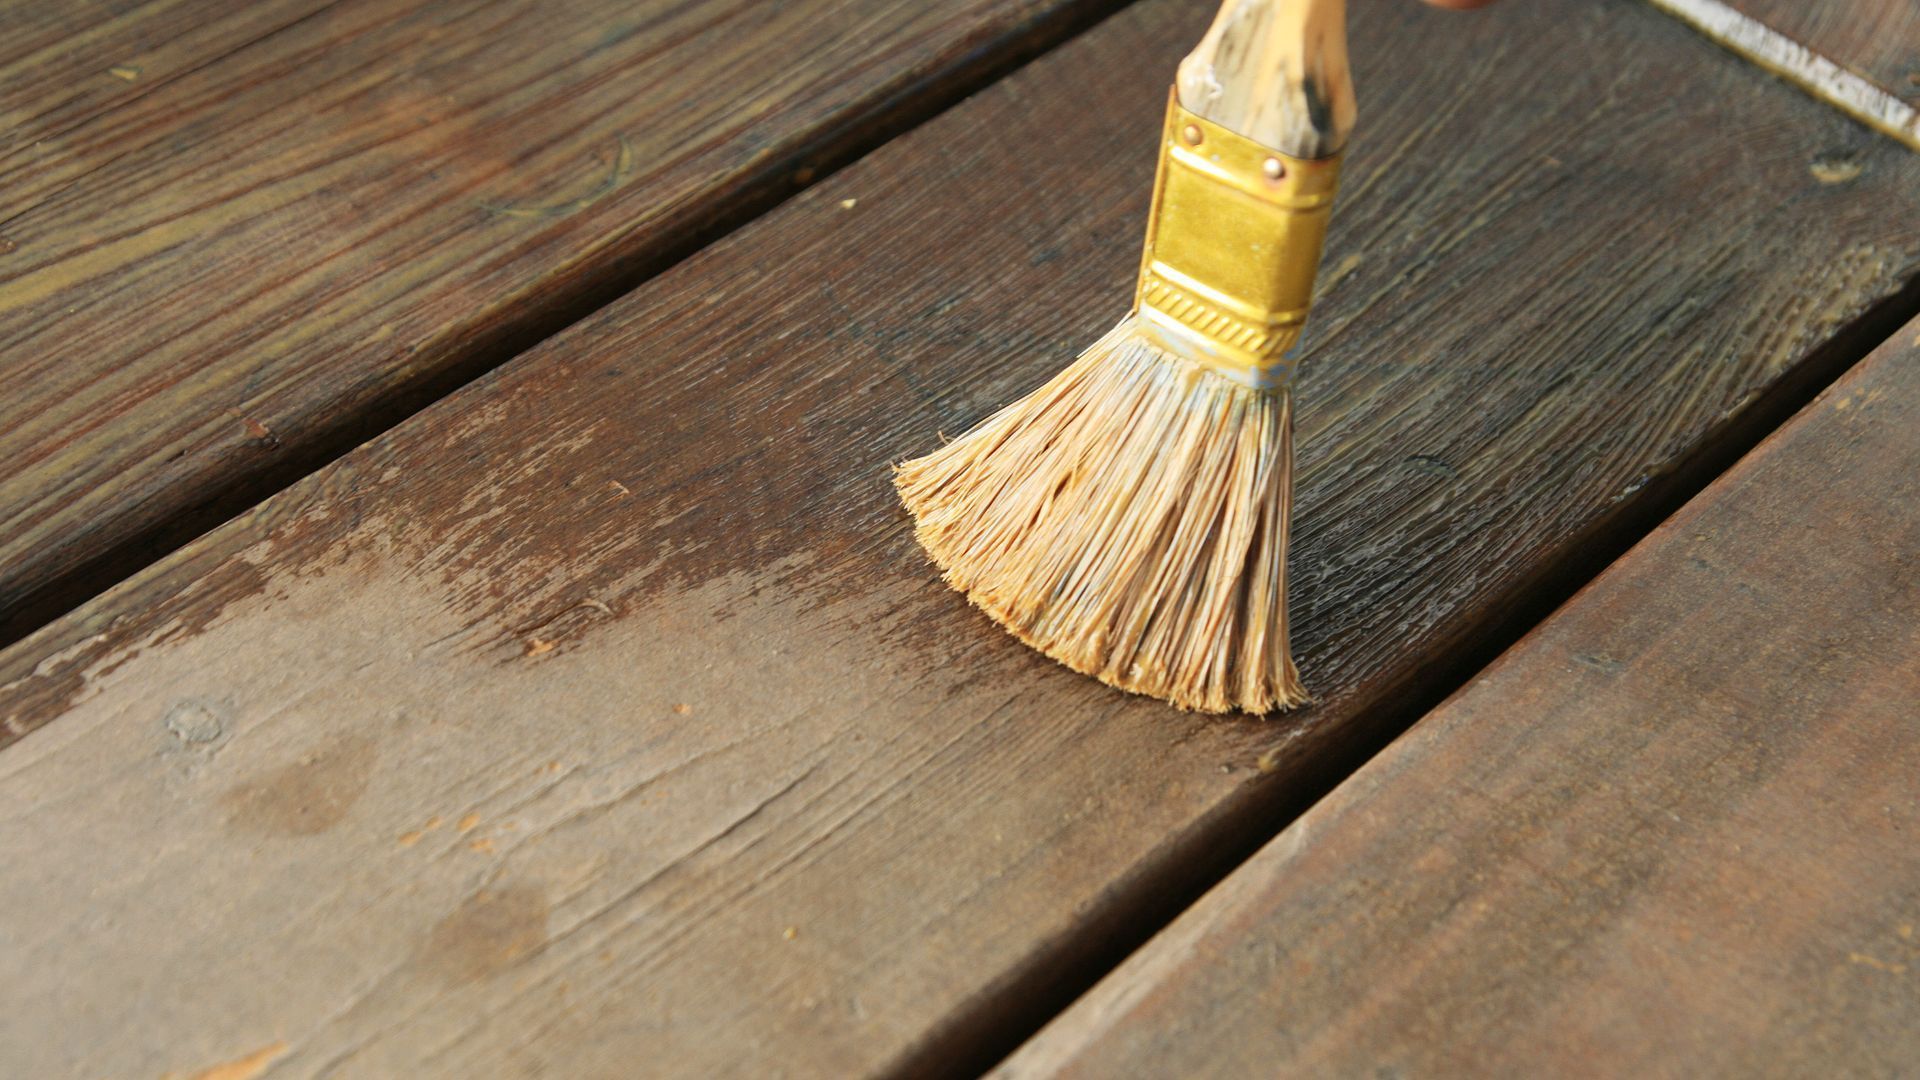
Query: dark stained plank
605, 718
1672, 833
1861, 55
235, 239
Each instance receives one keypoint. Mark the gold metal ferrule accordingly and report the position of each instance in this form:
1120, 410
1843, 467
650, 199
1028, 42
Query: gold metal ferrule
1232, 246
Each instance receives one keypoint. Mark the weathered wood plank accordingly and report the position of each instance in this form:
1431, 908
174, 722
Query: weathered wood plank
1669, 834
235, 239
1861, 55
605, 717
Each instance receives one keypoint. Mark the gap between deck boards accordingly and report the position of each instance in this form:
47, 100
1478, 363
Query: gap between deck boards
852, 137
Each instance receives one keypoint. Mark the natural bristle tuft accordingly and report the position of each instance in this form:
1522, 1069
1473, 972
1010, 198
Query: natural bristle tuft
1128, 519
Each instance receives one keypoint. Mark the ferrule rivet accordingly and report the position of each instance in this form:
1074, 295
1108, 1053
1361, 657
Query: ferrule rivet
1274, 168
1191, 133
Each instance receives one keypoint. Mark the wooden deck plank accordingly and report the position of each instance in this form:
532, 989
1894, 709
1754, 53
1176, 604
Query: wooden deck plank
605, 717
1669, 834
1860, 55
235, 239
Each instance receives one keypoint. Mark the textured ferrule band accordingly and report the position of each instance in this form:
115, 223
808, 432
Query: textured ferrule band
1233, 243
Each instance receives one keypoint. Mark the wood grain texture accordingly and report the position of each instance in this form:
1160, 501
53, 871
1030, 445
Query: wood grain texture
63, 65
1861, 55
605, 718
1669, 834
1879, 39
237, 238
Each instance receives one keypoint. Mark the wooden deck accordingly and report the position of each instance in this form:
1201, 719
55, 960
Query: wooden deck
1671, 833
559, 691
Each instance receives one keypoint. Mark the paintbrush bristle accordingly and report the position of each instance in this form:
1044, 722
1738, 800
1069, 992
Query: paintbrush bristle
1128, 519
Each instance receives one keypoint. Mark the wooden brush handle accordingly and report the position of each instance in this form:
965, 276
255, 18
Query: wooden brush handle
1275, 71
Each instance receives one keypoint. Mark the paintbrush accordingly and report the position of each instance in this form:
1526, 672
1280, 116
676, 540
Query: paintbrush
1129, 517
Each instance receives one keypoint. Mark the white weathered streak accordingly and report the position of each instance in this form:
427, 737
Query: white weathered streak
1857, 96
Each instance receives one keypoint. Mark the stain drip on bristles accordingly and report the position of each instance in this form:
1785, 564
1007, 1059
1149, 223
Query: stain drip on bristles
1128, 519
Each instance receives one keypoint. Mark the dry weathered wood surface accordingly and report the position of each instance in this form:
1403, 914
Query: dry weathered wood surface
234, 237
1861, 55
604, 717
1672, 833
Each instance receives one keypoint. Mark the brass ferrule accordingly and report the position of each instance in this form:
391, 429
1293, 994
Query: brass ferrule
1232, 246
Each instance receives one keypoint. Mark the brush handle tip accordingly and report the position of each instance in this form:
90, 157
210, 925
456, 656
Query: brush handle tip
1275, 71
